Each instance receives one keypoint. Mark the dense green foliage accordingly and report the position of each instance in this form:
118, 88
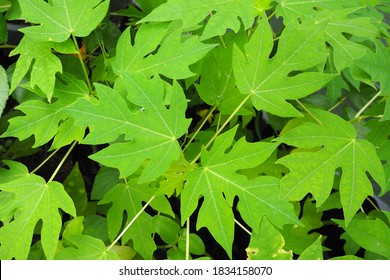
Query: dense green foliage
170, 128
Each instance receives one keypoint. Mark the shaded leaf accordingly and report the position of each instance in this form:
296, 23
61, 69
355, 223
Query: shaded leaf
86, 248
4, 88
267, 244
313, 252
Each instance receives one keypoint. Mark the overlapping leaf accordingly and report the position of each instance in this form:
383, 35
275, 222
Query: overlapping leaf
267, 80
217, 181
150, 131
129, 198
45, 65
313, 172
34, 200
372, 235
172, 58
58, 19
87, 248
42, 119
225, 14
3, 89
267, 244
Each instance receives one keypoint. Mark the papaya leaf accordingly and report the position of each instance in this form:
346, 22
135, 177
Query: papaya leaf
224, 14
172, 58
217, 181
60, 19
267, 244
42, 119
150, 132
4, 88
34, 200
313, 172
85, 248
372, 235
313, 252
44, 63
127, 199
300, 47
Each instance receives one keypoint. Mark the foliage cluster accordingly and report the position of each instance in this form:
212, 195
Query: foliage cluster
180, 128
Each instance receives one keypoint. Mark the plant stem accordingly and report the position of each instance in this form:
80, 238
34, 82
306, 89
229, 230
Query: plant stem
62, 161
131, 222
373, 204
188, 239
200, 127
337, 104
223, 126
82, 65
242, 226
6, 46
310, 113
46, 160
367, 104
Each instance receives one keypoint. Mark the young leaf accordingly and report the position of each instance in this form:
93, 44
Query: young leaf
129, 198
4, 88
172, 59
34, 200
87, 248
269, 84
267, 244
59, 19
372, 235
217, 181
153, 129
314, 171
224, 14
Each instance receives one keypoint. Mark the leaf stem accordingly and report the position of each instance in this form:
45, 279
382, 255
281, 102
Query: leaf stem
6, 46
131, 222
337, 104
373, 204
222, 127
62, 161
367, 104
242, 226
200, 127
46, 160
310, 113
82, 65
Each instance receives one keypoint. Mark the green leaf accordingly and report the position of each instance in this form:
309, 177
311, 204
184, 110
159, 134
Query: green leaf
44, 64
267, 244
4, 88
313, 171
313, 252
59, 19
196, 244
150, 132
300, 237
3, 30
129, 198
167, 228
300, 47
43, 119
225, 14
34, 200
75, 187
372, 235
217, 181
377, 65
85, 248
175, 53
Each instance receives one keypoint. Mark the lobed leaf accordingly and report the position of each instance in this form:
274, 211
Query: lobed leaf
60, 19
313, 171
269, 81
